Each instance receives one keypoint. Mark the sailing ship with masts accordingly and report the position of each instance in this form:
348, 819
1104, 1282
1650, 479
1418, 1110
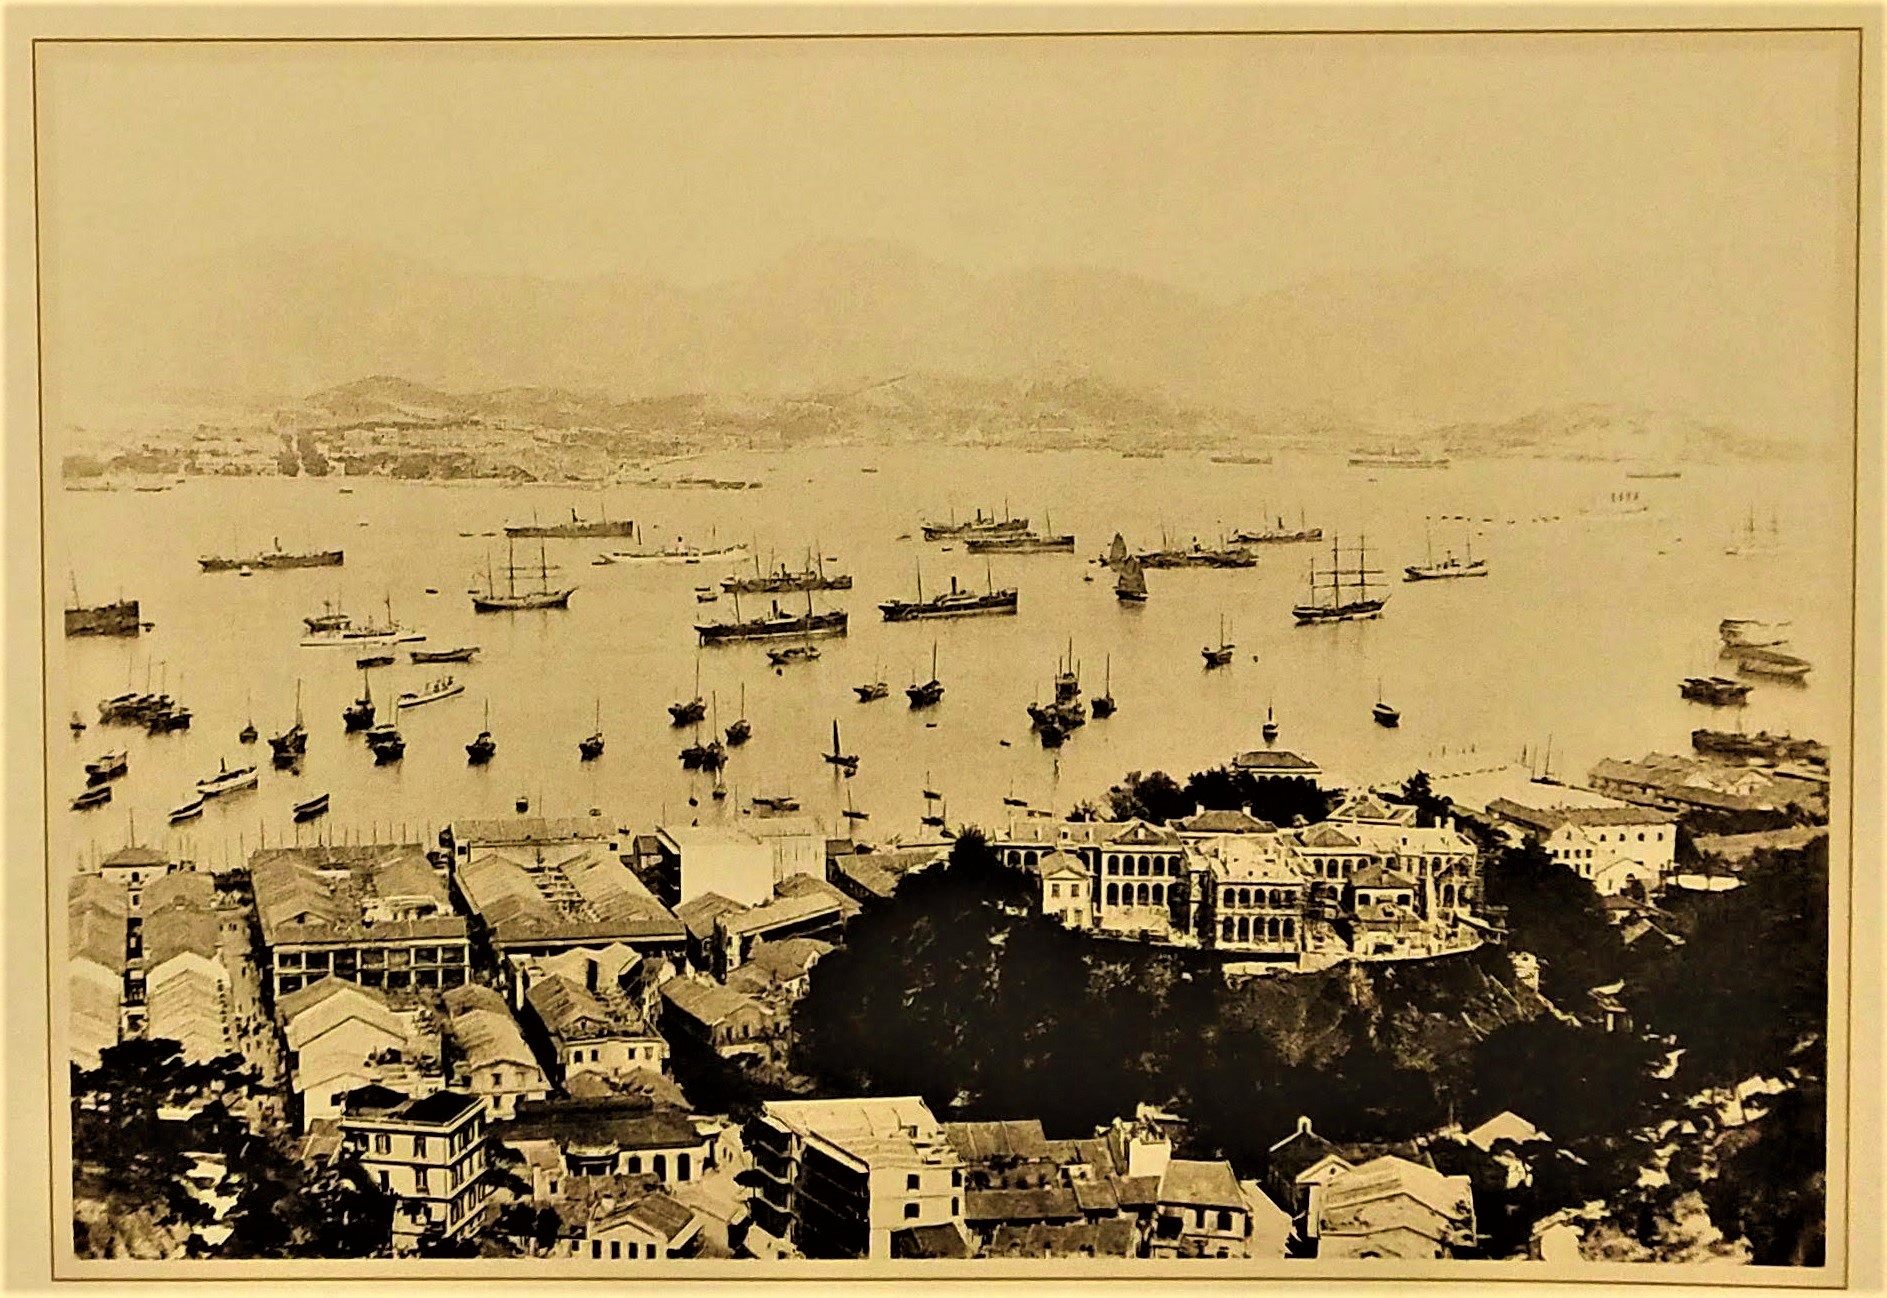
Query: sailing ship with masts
955, 602
1221, 654
511, 599
846, 763
1280, 534
1751, 543
292, 742
1449, 566
741, 730
358, 715
117, 618
983, 525
784, 581
590, 747
927, 693
774, 625
483, 748
1103, 705
1047, 541
1332, 598
332, 628
680, 552
1198, 556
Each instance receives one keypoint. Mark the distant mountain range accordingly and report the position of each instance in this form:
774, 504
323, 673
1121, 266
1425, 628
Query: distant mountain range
1435, 352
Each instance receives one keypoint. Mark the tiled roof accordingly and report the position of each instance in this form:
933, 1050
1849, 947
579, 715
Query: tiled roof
569, 1012
698, 915
1049, 1204
1377, 876
523, 830
929, 1242
1390, 1177
788, 957
1137, 1191
1325, 835
335, 894
1552, 818
572, 893
657, 1213
1078, 1239
705, 1002
891, 1131
1223, 822
190, 888
1095, 1196
627, 1123
289, 1007
1369, 807
805, 885
438, 1109
481, 1024
1273, 759
98, 914
1058, 864
1194, 1182
980, 1142
134, 857
792, 908
179, 930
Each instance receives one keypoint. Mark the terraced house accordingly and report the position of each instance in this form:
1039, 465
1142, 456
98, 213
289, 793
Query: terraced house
378, 915
1366, 883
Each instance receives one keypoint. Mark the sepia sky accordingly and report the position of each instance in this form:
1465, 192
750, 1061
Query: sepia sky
1225, 166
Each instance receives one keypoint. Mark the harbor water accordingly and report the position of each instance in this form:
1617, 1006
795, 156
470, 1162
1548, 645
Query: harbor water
1578, 637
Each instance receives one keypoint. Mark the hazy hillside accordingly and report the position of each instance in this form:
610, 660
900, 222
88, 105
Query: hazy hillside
1435, 346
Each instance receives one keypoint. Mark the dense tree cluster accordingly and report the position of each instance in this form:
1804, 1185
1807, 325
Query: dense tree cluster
1555, 915
955, 990
1158, 797
142, 1119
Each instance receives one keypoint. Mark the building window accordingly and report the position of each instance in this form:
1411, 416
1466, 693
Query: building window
1159, 890
1113, 894
681, 1167
954, 1209
1142, 895
382, 1143
1225, 1221
1113, 865
596, 1248
910, 1212
910, 1181
635, 1163
1228, 929
419, 1147
615, 1249
1054, 890
956, 1176
419, 1181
